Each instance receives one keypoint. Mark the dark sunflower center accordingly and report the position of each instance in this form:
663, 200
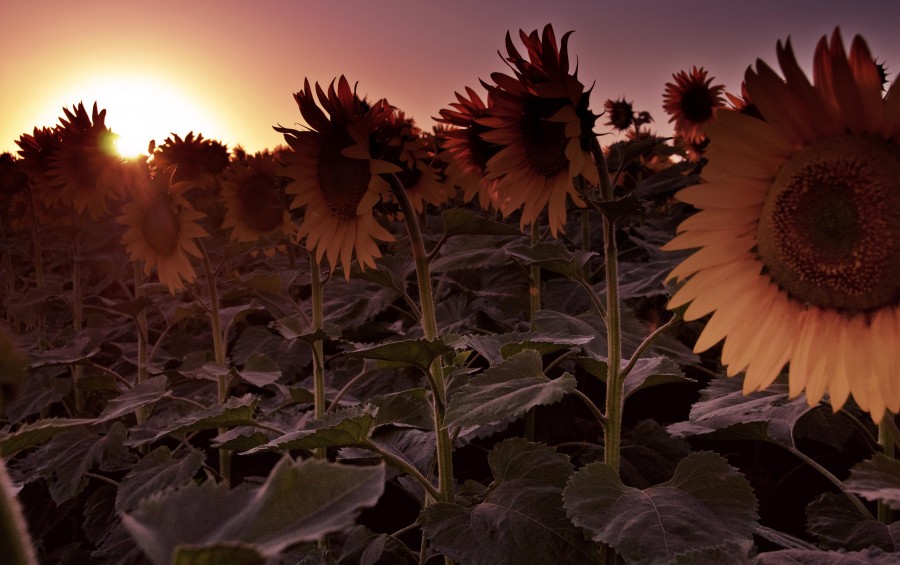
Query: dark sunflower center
697, 103
262, 207
343, 181
480, 150
161, 228
621, 115
829, 231
544, 141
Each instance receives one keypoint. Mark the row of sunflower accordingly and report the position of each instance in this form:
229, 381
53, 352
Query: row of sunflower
788, 193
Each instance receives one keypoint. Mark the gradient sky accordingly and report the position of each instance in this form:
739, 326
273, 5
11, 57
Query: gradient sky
228, 69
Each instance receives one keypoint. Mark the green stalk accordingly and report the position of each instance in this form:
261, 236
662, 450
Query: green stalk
429, 328
77, 314
141, 323
215, 319
318, 323
886, 440
534, 295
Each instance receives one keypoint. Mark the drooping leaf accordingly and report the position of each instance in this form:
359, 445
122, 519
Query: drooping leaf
351, 427
140, 395
650, 455
157, 471
299, 502
43, 388
497, 347
409, 407
646, 373
235, 412
506, 391
723, 404
872, 556
838, 524
294, 328
410, 352
553, 257
706, 503
463, 222
877, 479
37, 433
260, 370
520, 519
363, 547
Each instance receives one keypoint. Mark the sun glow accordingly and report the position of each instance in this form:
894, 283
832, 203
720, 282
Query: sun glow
140, 109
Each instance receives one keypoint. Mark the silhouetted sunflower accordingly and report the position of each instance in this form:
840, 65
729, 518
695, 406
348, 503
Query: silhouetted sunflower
405, 146
691, 102
194, 160
254, 199
798, 231
335, 177
542, 121
466, 152
620, 114
85, 166
161, 230
36, 151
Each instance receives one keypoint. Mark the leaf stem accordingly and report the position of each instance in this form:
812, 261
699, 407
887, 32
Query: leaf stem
646, 343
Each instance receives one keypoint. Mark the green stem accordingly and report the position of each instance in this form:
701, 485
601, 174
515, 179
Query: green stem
77, 315
405, 467
886, 440
215, 319
534, 303
141, 323
860, 507
429, 328
615, 377
318, 323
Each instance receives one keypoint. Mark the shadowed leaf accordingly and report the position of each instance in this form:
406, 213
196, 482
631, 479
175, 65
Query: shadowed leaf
706, 503
463, 222
819, 557
260, 370
158, 470
415, 352
877, 479
837, 524
341, 429
141, 395
553, 257
235, 412
37, 433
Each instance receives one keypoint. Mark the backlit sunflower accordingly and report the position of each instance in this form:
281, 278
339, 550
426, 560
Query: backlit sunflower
620, 114
542, 121
37, 151
254, 199
86, 166
466, 152
192, 159
162, 230
335, 177
799, 231
405, 146
691, 102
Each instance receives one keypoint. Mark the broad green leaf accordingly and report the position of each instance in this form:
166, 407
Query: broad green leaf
837, 524
294, 328
348, 428
262, 281
506, 391
650, 455
820, 557
219, 554
131, 307
260, 370
299, 502
410, 407
723, 404
392, 272
520, 519
29, 435
554, 257
411, 352
646, 373
497, 347
157, 471
705, 504
471, 252
235, 412
877, 479
141, 395
363, 547
463, 222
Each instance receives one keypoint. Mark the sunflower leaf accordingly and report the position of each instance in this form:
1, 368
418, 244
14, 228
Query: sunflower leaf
647, 372
506, 391
497, 347
553, 257
37, 433
235, 412
231, 553
341, 429
463, 222
260, 370
283, 512
410, 352
158, 470
704, 504
141, 395
837, 524
871, 556
877, 479
519, 520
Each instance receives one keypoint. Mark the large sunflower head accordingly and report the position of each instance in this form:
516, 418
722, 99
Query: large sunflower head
162, 228
36, 152
253, 192
799, 231
86, 167
620, 114
542, 121
335, 177
691, 101
466, 152
194, 160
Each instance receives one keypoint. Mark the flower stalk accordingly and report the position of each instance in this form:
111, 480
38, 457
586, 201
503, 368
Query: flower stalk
141, 323
318, 323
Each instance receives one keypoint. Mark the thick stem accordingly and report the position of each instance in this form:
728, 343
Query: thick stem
429, 328
77, 316
318, 323
215, 320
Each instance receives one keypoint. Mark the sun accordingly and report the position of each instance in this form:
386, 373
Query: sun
141, 108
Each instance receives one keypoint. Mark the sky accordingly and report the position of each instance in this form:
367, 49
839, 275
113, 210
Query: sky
228, 69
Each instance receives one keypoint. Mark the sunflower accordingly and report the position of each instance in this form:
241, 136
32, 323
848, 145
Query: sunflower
335, 177
193, 159
691, 102
405, 146
621, 114
799, 231
85, 165
36, 151
466, 152
254, 199
161, 230
542, 122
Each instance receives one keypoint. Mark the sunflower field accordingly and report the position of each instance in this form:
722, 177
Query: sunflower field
509, 340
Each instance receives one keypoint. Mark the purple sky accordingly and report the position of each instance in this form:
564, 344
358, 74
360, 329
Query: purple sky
228, 69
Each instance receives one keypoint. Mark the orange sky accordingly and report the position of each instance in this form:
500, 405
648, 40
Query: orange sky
228, 69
